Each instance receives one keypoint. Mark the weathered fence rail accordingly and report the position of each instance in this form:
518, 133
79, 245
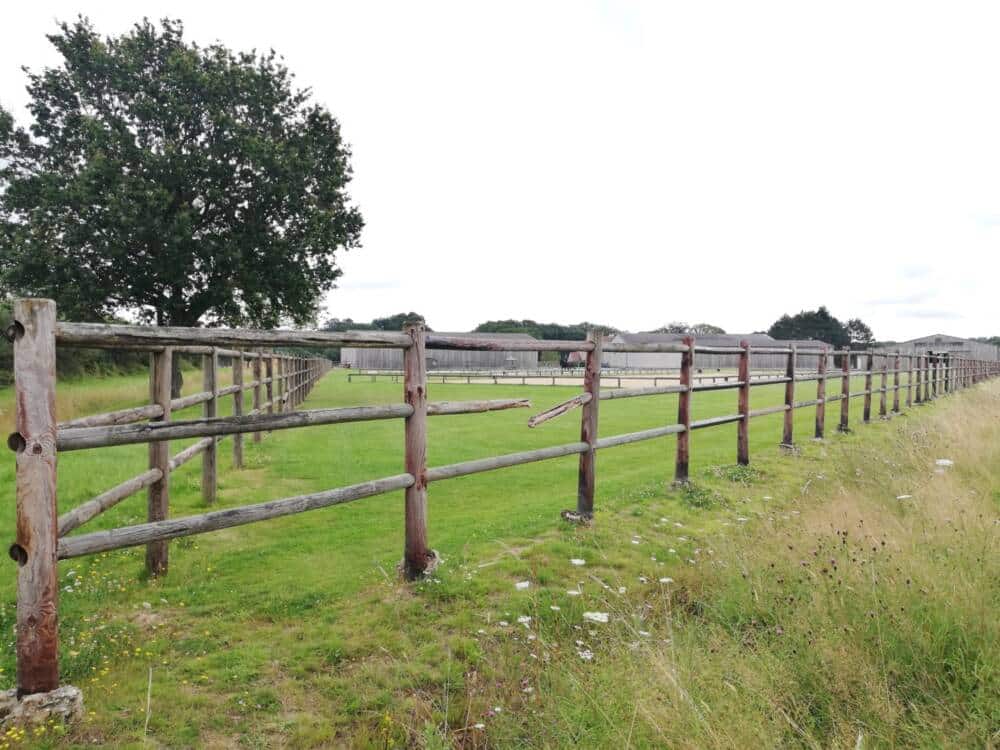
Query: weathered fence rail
279, 383
563, 376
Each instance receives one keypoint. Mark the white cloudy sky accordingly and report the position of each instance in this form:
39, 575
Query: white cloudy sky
635, 163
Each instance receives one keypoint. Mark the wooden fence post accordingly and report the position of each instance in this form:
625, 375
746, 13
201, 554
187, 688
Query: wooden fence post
684, 413
845, 393
269, 374
418, 559
743, 426
821, 394
884, 388
947, 373
238, 409
787, 438
587, 475
933, 376
158, 495
898, 363
909, 381
868, 387
37, 633
919, 374
256, 389
209, 462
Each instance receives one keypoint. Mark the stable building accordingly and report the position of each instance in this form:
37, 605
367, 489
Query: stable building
461, 360
940, 342
703, 362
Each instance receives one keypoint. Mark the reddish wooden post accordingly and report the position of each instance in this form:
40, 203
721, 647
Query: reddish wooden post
238, 409
821, 394
158, 495
34, 550
256, 389
787, 438
743, 426
684, 413
209, 462
417, 557
898, 363
934, 376
845, 393
587, 477
269, 374
868, 387
909, 380
884, 388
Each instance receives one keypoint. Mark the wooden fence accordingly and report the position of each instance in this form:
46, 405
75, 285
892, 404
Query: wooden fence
550, 377
41, 533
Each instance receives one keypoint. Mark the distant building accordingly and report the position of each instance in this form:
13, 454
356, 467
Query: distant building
704, 362
446, 359
940, 342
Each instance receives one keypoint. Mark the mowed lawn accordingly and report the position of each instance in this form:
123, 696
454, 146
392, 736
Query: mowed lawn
248, 636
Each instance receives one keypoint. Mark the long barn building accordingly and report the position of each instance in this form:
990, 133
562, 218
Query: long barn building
446, 359
703, 362
940, 342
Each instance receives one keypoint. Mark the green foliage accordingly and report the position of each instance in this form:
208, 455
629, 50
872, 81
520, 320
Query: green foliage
571, 332
182, 183
698, 329
736, 473
813, 324
297, 632
861, 335
699, 497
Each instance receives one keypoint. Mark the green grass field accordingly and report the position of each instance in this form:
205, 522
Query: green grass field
297, 632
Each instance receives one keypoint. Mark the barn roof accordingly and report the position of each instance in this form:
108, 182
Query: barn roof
715, 339
486, 335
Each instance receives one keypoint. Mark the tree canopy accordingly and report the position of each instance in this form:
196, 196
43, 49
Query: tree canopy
860, 334
570, 332
183, 184
698, 329
812, 324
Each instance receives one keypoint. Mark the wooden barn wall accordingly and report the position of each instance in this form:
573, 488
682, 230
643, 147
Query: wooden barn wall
439, 359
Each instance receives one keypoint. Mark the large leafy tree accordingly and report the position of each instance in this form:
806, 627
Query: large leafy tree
186, 185
812, 324
861, 334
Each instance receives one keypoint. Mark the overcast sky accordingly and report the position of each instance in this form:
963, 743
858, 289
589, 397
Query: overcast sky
638, 163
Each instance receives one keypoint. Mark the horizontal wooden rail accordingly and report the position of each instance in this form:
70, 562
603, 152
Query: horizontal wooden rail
501, 462
635, 437
144, 533
149, 432
257, 421
559, 409
190, 452
654, 390
105, 336
92, 508
122, 416
715, 421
